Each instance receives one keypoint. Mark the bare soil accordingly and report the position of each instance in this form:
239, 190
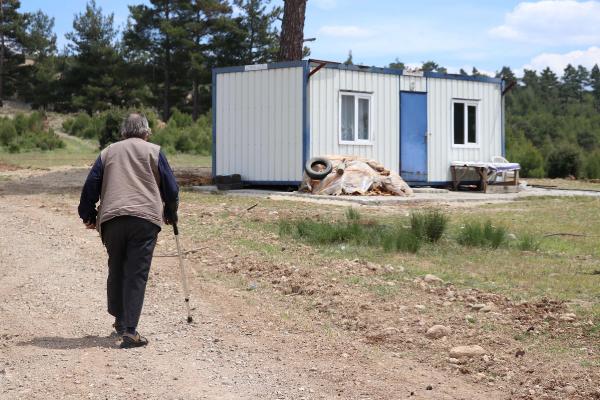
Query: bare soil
261, 330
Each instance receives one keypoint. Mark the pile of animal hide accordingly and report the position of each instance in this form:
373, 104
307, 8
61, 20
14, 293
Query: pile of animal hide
353, 175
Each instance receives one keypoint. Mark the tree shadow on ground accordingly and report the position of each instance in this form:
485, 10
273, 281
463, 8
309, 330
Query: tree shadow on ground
62, 343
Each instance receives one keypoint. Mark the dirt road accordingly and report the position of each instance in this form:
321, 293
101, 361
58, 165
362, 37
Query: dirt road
55, 338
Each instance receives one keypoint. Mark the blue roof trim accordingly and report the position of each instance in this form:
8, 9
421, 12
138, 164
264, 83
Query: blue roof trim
345, 67
439, 183
377, 70
276, 65
393, 71
305, 118
286, 64
224, 70
214, 123
485, 79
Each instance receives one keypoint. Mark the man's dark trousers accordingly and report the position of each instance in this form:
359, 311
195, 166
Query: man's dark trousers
130, 243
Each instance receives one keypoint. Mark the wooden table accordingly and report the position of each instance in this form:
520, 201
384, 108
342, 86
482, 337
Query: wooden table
484, 170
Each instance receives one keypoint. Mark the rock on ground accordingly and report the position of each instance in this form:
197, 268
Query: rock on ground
467, 351
438, 331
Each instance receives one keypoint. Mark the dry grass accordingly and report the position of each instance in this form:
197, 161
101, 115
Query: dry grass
563, 267
566, 183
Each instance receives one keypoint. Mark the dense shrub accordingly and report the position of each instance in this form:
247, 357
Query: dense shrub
529, 242
7, 131
531, 161
110, 131
592, 165
77, 125
565, 161
401, 240
352, 230
522, 151
181, 134
482, 235
428, 226
27, 132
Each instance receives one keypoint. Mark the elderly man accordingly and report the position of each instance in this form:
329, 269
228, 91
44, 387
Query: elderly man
137, 191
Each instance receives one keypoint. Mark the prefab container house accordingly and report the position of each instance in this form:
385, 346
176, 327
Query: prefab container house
269, 119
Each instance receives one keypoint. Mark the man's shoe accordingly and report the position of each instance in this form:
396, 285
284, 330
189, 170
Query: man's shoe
119, 328
133, 340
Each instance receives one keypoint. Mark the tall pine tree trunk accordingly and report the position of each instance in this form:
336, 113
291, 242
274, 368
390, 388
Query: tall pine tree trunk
292, 30
167, 70
167, 88
195, 111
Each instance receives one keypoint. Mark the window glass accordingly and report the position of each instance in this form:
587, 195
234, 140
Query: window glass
347, 118
459, 123
472, 132
363, 119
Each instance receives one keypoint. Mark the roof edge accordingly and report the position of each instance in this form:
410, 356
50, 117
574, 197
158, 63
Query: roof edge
359, 68
260, 67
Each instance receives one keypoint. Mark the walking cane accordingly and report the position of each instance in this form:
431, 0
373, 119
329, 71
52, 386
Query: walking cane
184, 283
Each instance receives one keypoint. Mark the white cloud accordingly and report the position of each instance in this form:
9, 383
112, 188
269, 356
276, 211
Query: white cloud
557, 62
552, 22
345, 31
403, 39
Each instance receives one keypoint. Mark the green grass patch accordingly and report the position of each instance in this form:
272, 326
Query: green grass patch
563, 267
529, 242
429, 226
478, 234
352, 230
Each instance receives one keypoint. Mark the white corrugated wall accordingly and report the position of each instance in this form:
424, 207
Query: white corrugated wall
259, 124
324, 90
440, 93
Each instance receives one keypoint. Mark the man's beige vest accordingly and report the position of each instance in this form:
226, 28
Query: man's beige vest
130, 182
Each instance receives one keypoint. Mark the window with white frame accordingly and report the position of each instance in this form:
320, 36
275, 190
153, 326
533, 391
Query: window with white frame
464, 115
355, 118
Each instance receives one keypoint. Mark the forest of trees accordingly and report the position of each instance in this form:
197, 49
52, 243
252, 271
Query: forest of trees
162, 60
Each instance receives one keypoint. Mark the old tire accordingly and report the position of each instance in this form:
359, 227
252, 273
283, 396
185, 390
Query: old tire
315, 173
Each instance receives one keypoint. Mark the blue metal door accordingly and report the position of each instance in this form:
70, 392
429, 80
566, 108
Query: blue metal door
413, 136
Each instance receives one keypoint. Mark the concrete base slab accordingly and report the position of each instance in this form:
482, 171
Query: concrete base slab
421, 196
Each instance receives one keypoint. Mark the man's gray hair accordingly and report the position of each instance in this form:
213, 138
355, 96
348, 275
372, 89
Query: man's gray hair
135, 125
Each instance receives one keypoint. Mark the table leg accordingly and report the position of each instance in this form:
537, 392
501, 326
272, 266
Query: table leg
454, 179
483, 178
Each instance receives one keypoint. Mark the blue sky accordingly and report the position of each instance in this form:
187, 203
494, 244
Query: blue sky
457, 34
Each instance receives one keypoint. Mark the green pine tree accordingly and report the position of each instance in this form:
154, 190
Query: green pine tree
38, 77
12, 26
93, 73
155, 38
432, 66
202, 19
571, 85
397, 64
260, 38
349, 59
595, 84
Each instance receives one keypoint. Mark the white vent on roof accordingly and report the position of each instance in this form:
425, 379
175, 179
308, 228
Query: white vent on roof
412, 72
257, 67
